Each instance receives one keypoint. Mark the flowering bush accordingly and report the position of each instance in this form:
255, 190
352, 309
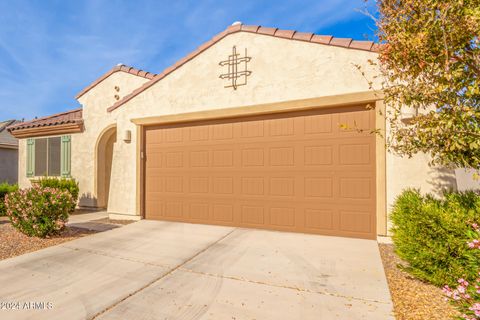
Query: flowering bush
466, 296
4, 189
39, 211
70, 185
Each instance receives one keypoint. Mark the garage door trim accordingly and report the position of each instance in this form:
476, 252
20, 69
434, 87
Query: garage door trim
349, 99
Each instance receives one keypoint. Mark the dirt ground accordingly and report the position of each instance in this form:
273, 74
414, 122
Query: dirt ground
413, 299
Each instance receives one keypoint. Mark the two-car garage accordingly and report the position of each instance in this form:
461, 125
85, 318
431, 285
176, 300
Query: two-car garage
308, 171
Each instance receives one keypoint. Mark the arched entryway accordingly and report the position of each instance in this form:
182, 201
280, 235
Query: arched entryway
104, 156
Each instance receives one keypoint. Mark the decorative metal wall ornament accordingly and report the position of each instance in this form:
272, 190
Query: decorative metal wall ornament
237, 69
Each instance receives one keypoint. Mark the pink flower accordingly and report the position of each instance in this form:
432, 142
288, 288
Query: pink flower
476, 309
474, 244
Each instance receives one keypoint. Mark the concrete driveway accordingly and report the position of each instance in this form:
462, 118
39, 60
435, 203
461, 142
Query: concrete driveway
161, 270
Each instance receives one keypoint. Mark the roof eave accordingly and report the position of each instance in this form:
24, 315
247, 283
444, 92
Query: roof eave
49, 130
118, 68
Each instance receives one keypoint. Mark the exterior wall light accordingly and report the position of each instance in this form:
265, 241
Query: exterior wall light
127, 136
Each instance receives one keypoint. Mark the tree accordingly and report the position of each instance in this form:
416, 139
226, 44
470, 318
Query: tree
430, 60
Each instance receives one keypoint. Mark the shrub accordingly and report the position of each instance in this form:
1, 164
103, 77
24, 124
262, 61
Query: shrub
70, 185
431, 235
39, 211
4, 189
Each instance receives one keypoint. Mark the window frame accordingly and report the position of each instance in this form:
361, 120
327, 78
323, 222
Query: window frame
64, 157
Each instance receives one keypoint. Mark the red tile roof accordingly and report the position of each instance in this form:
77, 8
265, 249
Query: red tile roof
117, 68
72, 116
274, 32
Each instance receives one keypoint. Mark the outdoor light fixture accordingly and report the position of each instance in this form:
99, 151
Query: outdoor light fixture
127, 136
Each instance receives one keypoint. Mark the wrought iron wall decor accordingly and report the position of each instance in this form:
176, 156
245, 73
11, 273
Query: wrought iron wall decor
237, 72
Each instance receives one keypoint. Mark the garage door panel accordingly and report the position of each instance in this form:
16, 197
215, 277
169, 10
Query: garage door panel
355, 188
222, 158
318, 124
297, 172
281, 156
155, 208
199, 211
282, 186
320, 219
199, 133
356, 221
355, 121
355, 154
319, 188
252, 129
252, 186
223, 185
318, 155
199, 158
223, 213
199, 184
282, 217
281, 127
252, 157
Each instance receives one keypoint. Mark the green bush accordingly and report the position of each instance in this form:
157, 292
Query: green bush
70, 185
39, 211
432, 234
4, 189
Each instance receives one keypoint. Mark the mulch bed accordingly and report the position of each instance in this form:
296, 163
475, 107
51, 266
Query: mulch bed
413, 299
14, 243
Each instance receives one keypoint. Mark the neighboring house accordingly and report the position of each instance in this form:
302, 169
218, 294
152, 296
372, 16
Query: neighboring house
8, 154
244, 131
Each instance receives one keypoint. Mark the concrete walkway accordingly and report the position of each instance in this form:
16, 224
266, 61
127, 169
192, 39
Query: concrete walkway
88, 221
160, 270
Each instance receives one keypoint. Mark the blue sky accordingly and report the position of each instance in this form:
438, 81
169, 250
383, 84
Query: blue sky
51, 49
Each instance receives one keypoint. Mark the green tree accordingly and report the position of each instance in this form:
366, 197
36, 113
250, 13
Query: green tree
430, 60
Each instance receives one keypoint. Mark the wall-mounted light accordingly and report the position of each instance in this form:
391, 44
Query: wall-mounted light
127, 136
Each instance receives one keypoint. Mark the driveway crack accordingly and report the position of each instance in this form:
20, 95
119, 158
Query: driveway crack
323, 292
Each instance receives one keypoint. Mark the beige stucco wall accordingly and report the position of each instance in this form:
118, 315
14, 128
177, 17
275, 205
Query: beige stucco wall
282, 70
467, 179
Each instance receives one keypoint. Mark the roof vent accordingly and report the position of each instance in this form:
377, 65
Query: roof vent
236, 23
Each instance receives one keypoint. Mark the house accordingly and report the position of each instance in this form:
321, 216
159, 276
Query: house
8, 153
258, 127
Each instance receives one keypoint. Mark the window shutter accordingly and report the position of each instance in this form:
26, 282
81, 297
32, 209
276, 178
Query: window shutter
30, 157
66, 151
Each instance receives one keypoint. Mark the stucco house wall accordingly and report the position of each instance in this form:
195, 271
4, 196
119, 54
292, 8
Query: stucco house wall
467, 179
282, 70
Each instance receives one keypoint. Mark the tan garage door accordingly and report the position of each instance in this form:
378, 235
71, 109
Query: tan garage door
296, 172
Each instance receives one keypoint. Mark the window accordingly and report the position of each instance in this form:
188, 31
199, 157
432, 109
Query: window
48, 156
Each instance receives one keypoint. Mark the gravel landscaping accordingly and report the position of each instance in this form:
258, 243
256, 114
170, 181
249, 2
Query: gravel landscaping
413, 299
14, 243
